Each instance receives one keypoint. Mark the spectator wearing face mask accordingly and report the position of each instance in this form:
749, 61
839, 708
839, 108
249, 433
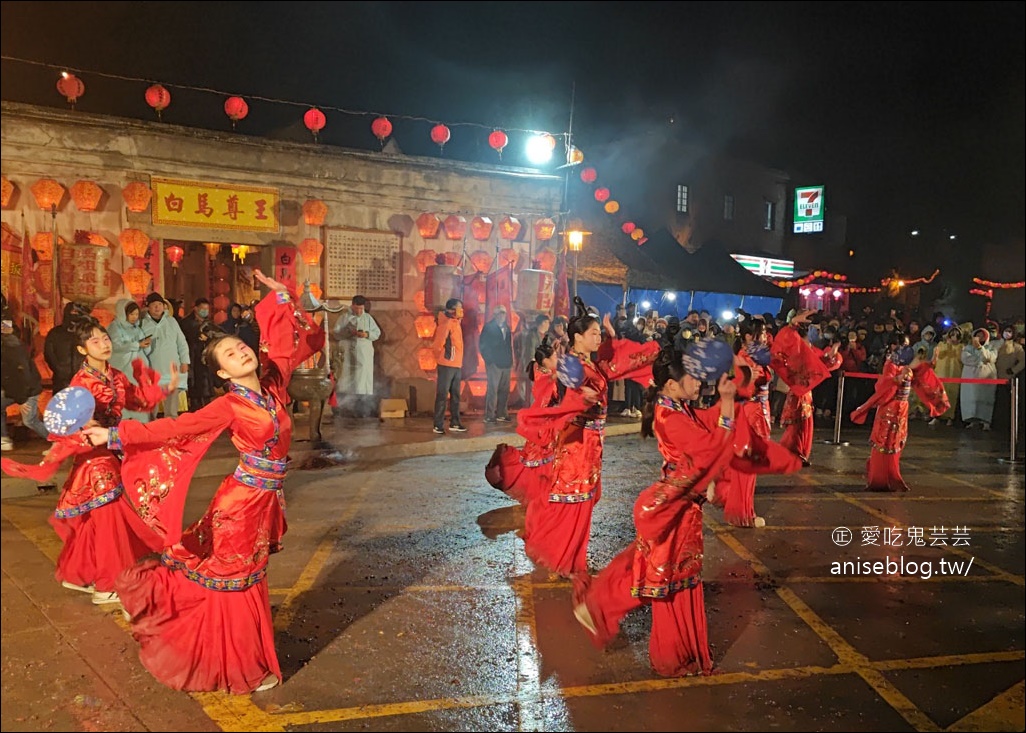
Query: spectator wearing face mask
1009, 364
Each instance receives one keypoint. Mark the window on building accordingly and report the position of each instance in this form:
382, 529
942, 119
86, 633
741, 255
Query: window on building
728, 207
771, 216
682, 199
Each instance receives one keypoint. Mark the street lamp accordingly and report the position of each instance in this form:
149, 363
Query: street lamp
575, 233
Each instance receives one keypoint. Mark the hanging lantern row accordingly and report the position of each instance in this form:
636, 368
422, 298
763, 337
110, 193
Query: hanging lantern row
481, 227
900, 282
611, 206
815, 275
988, 294
999, 286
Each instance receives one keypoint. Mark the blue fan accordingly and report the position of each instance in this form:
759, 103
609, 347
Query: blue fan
69, 411
708, 359
903, 356
570, 371
760, 354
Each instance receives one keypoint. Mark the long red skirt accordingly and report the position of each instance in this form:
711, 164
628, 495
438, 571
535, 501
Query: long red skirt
101, 543
556, 534
195, 639
883, 472
679, 643
797, 438
507, 473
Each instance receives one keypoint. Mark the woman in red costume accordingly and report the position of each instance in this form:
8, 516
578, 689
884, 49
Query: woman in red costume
524, 473
201, 611
735, 491
557, 527
102, 534
663, 567
802, 368
902, 373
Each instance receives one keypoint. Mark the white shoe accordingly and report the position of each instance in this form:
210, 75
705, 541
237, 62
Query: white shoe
100, 598
626, 413
583, 616
636, 413
269, 682
986, 427
82, 588
759, 523
935, 421
6, 444
126, 616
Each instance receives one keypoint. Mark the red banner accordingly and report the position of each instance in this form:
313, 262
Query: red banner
285, 267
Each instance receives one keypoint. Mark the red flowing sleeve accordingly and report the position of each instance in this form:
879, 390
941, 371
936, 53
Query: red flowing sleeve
147, 393
795, 361
160, 459
543, 389
626, 359
541, 424
885, 390
288, 337
930, 389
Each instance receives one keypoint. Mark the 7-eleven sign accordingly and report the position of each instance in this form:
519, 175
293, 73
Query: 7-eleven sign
808, 209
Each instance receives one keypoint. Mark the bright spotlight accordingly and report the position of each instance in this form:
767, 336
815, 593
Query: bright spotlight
727, 315
539, 151
837, 294
671, 297
819, 292
953, 236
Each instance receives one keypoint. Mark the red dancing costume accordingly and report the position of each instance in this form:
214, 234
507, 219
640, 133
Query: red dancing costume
735, 491
201, 611
663, 567
890, 427
102, 535
556, 530
802, 368
524, 473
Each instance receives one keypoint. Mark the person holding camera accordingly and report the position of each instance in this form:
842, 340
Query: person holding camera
448, 351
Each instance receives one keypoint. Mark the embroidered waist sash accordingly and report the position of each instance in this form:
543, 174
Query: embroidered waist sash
537, 462
260, 472
105, 498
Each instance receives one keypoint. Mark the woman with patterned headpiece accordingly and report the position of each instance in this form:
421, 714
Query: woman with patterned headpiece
662, 568
201, 611
903, 372
556, 530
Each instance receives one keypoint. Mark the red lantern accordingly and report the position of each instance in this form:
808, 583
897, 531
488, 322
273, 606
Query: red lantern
47, 193
498, 140
425, 326
455, 227
158, 97
508, 257
137, 280
427, 225
134, 242
628, 227
589, 175
236, 109
71, 87
481, 261
310, 250
481, 228
314, 212
440, 135
546, 259
452, 259
314, 120
509, 228
221, 302
137, 196
174, 255
424, 259
86, 195
8, 192
612, 207
544, 229
638, 234
601, 195
381, 128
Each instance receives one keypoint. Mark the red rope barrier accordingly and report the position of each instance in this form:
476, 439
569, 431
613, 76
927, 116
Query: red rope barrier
950, 380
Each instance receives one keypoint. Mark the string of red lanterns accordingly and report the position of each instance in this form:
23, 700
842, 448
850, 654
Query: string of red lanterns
812, 276
999, 286
902, 282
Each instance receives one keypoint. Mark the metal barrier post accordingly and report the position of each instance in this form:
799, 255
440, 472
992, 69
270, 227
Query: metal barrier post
1015, 397
837, 413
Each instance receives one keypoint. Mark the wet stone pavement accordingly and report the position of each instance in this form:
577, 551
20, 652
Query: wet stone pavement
403, 601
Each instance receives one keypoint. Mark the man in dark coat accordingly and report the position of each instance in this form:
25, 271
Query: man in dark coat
496, 346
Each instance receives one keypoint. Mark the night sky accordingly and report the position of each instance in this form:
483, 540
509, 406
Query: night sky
910, 113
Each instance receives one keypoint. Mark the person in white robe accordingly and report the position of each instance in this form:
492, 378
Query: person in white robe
356, 332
